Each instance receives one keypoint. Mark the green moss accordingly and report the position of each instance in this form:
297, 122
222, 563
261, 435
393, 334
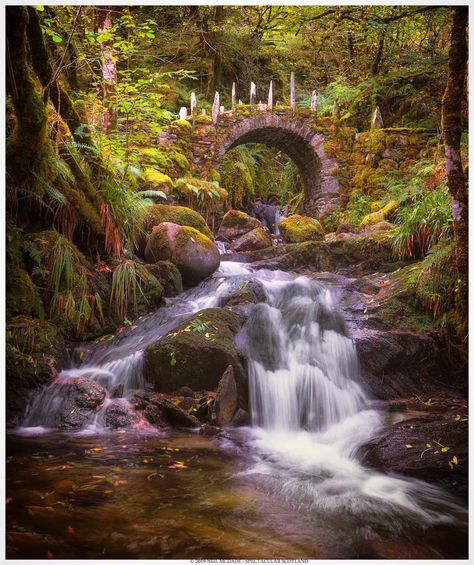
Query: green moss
186, 233
22, 296
180, 215
382, 214
203, 119
295, 229
238, 219
190, 189
157, 179
167, 159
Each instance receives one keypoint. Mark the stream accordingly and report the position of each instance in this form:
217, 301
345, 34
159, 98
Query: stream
291, 485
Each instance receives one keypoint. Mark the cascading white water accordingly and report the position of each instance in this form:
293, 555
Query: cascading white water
302, 366
310, 414
118, 366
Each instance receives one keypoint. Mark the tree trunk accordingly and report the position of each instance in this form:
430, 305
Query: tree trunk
29, 141
109, 71
452, 129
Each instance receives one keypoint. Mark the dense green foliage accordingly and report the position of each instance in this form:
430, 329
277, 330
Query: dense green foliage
103, 87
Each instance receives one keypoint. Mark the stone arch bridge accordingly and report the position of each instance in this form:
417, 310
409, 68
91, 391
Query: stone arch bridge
329, 157
292, 133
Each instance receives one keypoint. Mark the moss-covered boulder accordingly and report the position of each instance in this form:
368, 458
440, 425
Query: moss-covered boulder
197, 353
235, 224
22, 296
296, 229
177, 215
258, 238
168, 275
195, 255
382, 214
35, 353
158, 180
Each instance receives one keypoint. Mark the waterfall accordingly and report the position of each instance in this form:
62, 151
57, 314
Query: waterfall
310, 414
302, 365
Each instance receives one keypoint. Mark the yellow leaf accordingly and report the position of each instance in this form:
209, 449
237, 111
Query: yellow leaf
97, 449
455, 460
444, 449
457, 417
408, 446
428, 445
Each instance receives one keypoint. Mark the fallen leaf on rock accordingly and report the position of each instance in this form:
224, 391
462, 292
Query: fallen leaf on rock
409, 446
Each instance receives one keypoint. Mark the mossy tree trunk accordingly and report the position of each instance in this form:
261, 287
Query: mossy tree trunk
452, 129
29, 141
29, 154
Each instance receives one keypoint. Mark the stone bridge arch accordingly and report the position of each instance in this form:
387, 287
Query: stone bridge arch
286, 132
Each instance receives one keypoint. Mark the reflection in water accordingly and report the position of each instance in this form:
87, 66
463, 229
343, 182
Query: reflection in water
117, 496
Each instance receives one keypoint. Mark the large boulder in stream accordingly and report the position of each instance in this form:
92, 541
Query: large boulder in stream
118, 416
297, 228
194, 254
397, 364
68, 403
257, 238
432, 447
181, 215
196, 354
235, 224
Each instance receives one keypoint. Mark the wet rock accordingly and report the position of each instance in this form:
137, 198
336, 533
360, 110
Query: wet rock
194, 254
256, 239
118, 415
244, 292
117, 391
162, 410
241, 418
297, 228
359, 253
66, 404
446, 438
196, 353
207, 430
235, 224
167, 273
397, 364
225, 403
175, 415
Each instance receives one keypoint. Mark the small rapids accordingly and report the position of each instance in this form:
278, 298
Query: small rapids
310, 413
